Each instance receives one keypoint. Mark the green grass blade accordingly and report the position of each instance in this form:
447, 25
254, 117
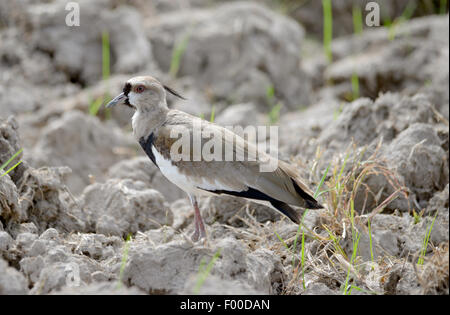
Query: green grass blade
442, 7
391, 33
327, 28
352, 214
303, 259
124, 260
409, 10
405, 16
322, 180
274, 114
370, 240
316, 193
203, 274
355, 86
94, 106
106, 73
270, 93
325, 191
425, 242
177, 54
357, 20
10, 159
213, 112
281, 240
387, 22
13, 167
355, 249
335, 241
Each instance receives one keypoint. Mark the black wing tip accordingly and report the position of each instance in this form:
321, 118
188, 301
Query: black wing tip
287, 211
313, 204
283, 207
252, 193
291, 213
310, 202
173, 92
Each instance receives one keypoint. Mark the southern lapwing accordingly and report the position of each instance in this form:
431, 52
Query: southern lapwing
157, 128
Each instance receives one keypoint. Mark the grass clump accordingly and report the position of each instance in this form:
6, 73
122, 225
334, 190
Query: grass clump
345, 185
433, 275
337, 253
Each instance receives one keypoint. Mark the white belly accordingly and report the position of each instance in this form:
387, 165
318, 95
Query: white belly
193, 186
171, 172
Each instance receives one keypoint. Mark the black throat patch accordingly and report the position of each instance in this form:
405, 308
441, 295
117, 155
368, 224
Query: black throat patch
147, 147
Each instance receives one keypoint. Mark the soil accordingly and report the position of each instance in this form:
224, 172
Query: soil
86, 212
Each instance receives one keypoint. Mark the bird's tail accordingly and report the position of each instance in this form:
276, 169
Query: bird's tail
290, 212
287, 210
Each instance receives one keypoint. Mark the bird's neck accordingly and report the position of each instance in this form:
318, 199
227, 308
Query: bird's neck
146, 122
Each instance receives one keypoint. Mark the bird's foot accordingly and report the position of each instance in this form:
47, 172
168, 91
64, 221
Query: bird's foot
198, 235
195, 236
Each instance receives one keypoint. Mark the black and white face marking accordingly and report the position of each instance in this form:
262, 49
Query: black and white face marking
145, 96
126, 91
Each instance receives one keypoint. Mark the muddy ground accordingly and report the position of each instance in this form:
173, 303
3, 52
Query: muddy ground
372, 123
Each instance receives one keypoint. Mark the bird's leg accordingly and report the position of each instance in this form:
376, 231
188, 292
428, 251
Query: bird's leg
200, 231
196, 234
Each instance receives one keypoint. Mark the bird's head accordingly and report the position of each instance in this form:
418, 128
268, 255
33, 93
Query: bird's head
143, 93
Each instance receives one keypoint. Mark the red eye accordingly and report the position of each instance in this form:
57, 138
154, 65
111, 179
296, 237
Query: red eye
140, 88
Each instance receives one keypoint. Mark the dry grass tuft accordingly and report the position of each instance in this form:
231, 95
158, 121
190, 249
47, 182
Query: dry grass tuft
332, 248
433, 276
326, 248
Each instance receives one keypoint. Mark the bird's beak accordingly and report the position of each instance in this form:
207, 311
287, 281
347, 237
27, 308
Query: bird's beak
119, 99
